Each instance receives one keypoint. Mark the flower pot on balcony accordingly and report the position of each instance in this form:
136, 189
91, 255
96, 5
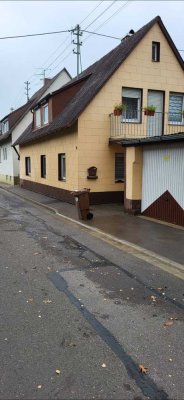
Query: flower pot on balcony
150, 113
149, 110
117, 112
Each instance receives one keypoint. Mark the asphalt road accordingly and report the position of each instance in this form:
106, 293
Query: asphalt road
78, 315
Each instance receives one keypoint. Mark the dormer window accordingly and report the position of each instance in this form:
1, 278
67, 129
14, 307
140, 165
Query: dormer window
45, 114
155, 51
5, 126
37, 118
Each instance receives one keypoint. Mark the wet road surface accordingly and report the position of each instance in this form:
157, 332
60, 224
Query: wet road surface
73, 303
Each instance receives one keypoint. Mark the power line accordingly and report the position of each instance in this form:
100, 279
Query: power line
91, 12
66, 47
101, 34
108, 19
33, 34
101, 14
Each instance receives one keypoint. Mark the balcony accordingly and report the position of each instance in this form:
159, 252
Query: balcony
136, 125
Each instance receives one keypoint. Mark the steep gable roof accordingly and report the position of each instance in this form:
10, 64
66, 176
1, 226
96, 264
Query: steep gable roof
16, 116
96, 76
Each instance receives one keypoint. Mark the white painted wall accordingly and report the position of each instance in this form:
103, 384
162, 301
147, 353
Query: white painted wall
163, 169
60, 81
6, 166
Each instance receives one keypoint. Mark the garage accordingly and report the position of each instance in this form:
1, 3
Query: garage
163, 182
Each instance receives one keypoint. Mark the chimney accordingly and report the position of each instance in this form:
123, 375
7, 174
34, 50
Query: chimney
131, 33
46, 80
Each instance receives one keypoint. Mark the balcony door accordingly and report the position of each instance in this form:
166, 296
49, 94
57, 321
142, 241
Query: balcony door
155, 123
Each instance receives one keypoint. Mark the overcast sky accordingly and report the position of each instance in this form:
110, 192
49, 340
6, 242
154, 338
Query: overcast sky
21, 58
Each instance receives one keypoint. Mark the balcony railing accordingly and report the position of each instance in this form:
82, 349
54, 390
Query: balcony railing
138, 125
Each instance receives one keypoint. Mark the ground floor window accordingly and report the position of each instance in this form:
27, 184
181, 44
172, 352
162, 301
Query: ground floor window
5, 153
61, 167
43, 166
28, 165
119, 167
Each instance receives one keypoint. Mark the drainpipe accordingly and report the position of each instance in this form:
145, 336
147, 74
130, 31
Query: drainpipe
16, 152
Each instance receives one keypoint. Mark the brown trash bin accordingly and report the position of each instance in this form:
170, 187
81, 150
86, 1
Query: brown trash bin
82, 203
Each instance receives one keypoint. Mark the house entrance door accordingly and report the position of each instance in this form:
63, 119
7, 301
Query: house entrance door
155, 123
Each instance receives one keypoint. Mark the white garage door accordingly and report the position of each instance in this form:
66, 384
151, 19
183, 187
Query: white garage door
163, 170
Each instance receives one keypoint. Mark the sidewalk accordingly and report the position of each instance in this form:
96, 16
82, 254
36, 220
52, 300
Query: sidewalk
165, 240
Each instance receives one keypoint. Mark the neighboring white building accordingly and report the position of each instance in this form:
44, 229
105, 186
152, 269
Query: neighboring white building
14, 124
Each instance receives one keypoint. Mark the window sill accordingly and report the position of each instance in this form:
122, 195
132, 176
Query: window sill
176, 123
120, 181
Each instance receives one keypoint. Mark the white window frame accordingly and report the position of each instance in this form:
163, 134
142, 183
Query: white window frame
5, 154
28, 166
133, 120
38, 118
5, 126
182, 119
46, 106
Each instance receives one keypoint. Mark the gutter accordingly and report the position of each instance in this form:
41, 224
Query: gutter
16, 151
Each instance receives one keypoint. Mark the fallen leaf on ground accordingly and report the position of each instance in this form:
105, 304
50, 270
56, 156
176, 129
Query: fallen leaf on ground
143, 369
168, 323
103, 365
47, 301
153, 298
39, 386
35, 254
29, 300
58, 371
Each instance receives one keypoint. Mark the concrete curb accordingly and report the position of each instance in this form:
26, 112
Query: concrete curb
129, 247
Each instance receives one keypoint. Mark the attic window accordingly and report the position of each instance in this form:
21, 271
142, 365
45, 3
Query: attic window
45, 114
5, 126
155, 51
37, 118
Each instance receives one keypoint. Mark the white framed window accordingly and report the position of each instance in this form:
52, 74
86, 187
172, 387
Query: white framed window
28, 166
61, 167
176, 108
45, 114
131, 98
37, 118
5, 126
5, 153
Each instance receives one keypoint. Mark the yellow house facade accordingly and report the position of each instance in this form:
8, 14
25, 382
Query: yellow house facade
145, 69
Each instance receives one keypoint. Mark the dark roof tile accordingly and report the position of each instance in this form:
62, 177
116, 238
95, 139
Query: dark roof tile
96, 76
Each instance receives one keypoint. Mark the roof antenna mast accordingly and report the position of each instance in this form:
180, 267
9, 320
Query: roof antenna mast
77, 31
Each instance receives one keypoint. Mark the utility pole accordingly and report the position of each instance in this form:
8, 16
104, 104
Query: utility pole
76, 31
27, 88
